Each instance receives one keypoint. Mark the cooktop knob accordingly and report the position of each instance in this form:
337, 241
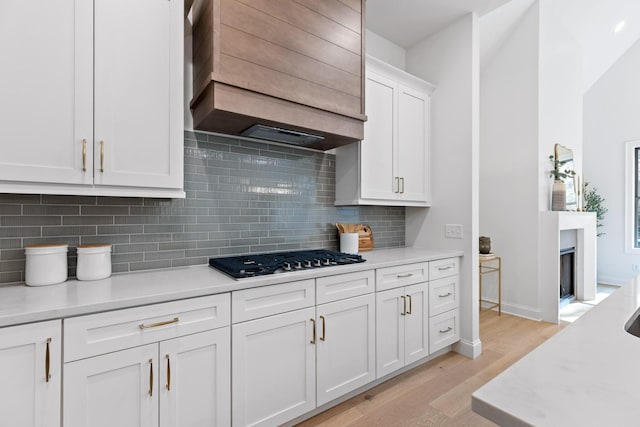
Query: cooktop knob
286, 266
297, 265
317, 263
307, 264
326, 261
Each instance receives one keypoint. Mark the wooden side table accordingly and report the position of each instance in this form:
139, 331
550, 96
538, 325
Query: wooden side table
491, 265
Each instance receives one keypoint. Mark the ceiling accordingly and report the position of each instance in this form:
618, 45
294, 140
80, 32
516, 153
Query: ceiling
590, 23
406, 22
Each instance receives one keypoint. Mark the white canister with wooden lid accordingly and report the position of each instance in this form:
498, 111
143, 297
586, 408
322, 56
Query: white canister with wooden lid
46, 264
94, 261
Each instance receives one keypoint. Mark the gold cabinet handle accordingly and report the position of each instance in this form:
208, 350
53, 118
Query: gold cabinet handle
168, 372
444, 295
151, 377
47, 362
404, 276
101, 156
410, 305
84, 155
402, 181
404, 306
448, 267
155, 325
324, 328
313, 323
446, 330
397, 179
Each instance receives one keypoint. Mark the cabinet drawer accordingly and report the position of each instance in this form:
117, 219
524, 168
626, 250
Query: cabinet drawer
268, 300
402, 275
443, 268
444, 330
334, 288
94, 334
443, 295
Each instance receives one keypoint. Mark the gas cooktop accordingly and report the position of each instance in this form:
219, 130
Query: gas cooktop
243, 266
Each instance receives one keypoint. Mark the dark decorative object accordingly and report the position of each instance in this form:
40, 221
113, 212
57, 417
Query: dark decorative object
485, 245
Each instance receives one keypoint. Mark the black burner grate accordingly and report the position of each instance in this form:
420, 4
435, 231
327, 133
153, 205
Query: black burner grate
261, 264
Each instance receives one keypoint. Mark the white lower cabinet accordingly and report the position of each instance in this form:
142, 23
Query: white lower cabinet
346, 346
115, 389
31, 371
179, 376
287, 364
274, 368
402, 327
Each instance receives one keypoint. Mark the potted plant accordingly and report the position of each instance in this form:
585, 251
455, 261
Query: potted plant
593, 202
559, 190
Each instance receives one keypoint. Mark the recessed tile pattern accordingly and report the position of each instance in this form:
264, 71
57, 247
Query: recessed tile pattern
242, 197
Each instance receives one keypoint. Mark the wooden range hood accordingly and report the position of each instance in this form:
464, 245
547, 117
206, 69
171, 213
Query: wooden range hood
296, 65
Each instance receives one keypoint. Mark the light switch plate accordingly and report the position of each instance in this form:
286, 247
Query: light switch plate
453, 231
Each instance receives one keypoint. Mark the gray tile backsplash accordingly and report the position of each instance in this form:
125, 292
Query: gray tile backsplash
242, 197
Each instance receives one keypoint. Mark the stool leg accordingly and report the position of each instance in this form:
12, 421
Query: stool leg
499, 286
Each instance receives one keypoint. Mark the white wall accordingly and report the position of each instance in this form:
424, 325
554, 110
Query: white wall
450, 60
560, 103
611, 118
385, 50
508, 166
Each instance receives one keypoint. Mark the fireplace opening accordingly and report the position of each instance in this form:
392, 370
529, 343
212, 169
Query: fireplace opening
567, 273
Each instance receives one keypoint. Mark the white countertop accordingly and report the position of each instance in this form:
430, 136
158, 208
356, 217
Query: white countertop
24, 304
586, 375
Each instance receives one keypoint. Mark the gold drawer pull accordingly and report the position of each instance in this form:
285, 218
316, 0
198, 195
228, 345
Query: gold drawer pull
324, 329
404, 306
47, 362
448, 267
313, 339
155, 325
410, 305
84, 155
168, 372
404, 276
151, 377
101, 156
402, 181
448, 294
446, 330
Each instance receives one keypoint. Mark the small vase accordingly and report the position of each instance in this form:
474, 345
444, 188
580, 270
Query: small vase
559, 196
485, 245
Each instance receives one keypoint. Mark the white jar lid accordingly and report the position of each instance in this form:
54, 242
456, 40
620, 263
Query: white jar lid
94, 248
46, 248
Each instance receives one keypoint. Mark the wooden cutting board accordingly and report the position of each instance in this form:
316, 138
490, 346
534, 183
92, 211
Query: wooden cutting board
365, 238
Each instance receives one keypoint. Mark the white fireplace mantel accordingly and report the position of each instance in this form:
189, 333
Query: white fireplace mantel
551, 224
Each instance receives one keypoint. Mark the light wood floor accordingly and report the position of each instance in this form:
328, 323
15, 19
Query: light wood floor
438, 393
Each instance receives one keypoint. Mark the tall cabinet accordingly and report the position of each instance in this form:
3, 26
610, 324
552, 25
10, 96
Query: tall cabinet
91, 97
391, 165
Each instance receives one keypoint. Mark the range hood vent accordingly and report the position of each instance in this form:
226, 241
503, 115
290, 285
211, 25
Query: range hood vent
286, 136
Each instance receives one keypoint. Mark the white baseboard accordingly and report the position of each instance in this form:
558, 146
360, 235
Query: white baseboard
470, 349
612, 280
519, 310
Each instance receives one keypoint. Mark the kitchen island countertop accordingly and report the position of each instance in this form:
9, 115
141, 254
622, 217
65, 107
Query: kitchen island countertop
24, 304
586, 375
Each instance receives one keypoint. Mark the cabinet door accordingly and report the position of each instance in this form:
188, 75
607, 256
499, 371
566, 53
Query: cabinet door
416, 323
195, 380
390, 331
273, 368
378, 150
46, 90
27, 397
138, 93
413, 145
114, 389
346, 346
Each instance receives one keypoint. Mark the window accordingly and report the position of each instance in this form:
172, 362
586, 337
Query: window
632, 197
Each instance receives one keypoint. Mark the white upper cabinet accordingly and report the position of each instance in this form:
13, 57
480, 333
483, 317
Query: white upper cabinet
92, 98
391, 165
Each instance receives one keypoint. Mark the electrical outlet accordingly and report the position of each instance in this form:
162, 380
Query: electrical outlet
453, 231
